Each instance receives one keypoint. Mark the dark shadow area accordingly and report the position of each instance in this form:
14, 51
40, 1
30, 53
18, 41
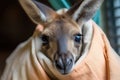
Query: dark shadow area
15, 27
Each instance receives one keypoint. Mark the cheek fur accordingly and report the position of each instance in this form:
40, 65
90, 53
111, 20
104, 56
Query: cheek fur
73, 49
77, 50
52, 50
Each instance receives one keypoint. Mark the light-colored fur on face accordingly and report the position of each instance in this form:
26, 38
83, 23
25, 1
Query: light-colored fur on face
59, 29
62, 28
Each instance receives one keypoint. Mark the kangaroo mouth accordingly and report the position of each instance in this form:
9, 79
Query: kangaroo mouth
64, 69
64, 64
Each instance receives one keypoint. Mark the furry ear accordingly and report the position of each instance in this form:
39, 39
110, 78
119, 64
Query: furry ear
83, 10
38, 12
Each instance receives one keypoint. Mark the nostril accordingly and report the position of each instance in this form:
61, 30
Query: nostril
59, 63
69, 62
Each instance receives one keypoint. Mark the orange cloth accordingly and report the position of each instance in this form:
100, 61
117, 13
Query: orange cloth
101, 63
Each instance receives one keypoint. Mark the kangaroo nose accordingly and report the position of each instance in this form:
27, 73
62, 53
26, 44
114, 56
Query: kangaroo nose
64, 63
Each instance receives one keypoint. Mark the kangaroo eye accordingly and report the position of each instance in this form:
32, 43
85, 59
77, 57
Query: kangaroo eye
45, 39
77, 38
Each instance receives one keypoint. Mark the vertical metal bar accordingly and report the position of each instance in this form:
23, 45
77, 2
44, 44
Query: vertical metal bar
111, 28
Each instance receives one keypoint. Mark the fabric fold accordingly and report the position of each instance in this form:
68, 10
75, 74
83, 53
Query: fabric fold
101, 62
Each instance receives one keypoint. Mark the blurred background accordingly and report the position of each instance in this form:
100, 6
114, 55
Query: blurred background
16, 27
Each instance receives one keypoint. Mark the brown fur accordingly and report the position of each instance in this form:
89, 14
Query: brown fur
62, 25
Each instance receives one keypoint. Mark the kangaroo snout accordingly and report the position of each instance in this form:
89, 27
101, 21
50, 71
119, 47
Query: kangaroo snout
64, 62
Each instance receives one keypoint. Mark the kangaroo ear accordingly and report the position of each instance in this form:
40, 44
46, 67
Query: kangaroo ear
37, 12
84, 10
